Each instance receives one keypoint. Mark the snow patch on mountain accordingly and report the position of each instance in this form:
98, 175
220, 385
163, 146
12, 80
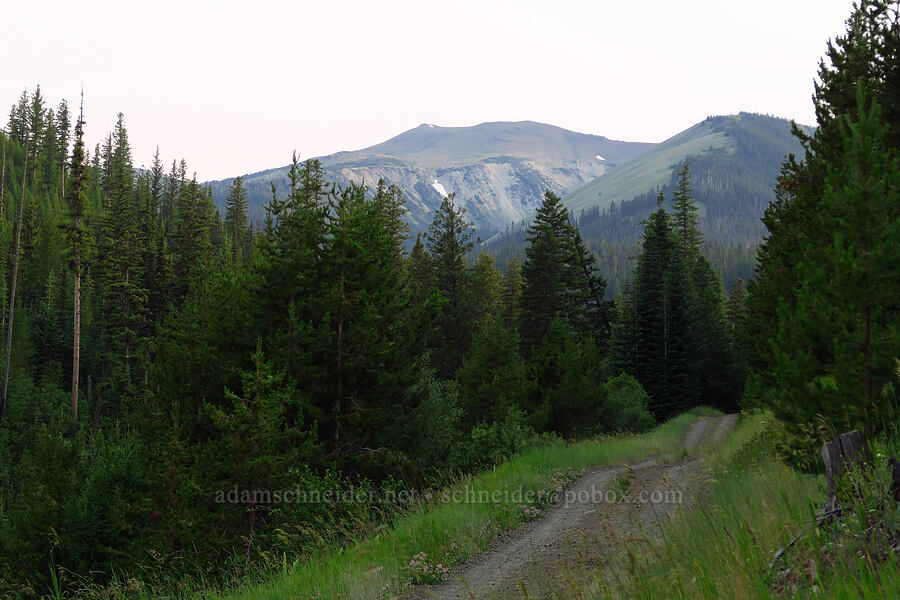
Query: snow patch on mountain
440, 188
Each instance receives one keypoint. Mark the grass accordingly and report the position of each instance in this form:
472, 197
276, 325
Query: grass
723, 545
647, 171
442, 532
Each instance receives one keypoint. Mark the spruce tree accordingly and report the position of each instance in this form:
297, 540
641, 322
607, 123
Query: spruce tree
493, 378
560, 279
190, 236
390, 201
512, 294
420, 271
652, 365
545, 284
122, 301
684, 214
486, 289
449, 240
368, 361
235, 223
622, 357
76, 235
36, 126
63, 131
734, 308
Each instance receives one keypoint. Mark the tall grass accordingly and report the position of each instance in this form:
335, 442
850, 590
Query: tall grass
723, 545
449, 532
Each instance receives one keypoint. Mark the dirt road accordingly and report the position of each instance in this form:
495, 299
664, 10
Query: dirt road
597, 513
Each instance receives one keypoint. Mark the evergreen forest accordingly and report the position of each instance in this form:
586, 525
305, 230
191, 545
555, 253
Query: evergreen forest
169, 365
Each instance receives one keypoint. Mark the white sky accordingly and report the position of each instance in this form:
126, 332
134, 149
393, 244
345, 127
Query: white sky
234, 87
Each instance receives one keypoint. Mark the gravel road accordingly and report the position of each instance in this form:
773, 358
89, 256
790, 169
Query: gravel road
599, 512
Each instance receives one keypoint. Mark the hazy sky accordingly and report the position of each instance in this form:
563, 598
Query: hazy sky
234, 87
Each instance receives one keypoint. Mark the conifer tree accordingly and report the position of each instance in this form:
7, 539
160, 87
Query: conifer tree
122, 300
684, 214
235, 223
867, 59
734, 310
545, 285
14, 281
157, 182
560, 279
190, 238
512, 294
76, 234
493, 378
36, 126
486, 289
449, 240
652, 302
63, 127
260, 429
848, 296
290, 287
392, 204
18, 119
421, 271
623, 339
365, 295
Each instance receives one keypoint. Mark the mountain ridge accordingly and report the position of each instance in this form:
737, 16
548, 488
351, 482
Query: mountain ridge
499, 169
734, 160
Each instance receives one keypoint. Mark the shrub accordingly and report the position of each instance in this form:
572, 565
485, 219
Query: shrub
626, 405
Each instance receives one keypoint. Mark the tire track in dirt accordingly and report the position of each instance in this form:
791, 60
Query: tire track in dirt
603, 509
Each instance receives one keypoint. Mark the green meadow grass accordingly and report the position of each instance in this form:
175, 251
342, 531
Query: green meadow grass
449, 533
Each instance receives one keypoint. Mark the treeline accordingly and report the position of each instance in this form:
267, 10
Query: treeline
163, 354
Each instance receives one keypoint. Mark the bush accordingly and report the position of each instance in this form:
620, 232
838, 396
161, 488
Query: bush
438, 419
626, 405
491, 443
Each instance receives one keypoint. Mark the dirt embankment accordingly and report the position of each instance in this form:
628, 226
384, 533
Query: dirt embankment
605, 508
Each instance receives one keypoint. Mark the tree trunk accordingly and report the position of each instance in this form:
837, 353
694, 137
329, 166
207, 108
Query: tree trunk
12, 293
76, 328
3, 180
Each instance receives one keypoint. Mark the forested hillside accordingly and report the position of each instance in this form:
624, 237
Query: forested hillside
175, 373
163, 354
734, 161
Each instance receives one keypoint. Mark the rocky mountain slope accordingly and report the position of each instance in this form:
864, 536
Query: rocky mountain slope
498, 171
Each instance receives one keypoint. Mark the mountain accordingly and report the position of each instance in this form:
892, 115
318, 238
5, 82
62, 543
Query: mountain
499, 171
734, 159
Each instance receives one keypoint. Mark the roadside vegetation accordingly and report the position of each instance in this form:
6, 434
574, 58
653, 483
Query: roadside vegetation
754, 532
438, 534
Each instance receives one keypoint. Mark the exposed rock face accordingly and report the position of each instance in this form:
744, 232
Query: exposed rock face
494, 193
498, 171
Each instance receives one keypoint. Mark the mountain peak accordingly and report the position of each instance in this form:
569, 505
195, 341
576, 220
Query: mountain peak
499, 170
